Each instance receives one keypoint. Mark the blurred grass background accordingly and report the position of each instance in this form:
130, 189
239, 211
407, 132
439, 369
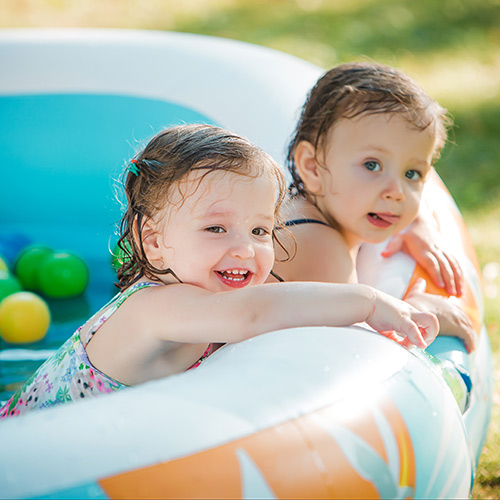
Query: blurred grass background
452, 47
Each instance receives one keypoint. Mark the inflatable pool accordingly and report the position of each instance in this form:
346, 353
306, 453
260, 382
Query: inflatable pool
308, 413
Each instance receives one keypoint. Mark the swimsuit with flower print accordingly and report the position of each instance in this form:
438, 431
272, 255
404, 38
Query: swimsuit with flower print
68, 375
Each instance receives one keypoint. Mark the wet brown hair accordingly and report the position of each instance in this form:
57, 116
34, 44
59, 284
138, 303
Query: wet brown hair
165, 161
353, 89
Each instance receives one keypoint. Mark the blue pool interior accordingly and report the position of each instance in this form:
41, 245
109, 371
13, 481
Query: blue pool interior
61, 156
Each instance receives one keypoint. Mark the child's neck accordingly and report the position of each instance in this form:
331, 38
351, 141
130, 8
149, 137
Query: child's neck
353, 243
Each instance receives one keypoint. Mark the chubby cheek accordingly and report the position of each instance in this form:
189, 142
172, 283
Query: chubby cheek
411, 208
265, 263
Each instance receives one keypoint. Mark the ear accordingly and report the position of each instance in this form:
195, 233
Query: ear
307, 166
150, 239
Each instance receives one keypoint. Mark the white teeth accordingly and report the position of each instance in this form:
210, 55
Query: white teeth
234, 274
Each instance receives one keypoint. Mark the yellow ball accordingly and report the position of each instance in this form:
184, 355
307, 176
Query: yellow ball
24, 318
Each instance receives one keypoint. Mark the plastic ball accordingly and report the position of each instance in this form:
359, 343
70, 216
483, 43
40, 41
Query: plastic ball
11, 244
118, 257
63, 275
3, 264
28, 264
24, 318
9, 284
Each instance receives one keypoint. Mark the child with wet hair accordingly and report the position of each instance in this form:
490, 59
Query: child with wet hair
363, 148
198, 234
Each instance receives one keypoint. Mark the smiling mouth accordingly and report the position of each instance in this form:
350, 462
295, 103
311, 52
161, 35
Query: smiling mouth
235, 275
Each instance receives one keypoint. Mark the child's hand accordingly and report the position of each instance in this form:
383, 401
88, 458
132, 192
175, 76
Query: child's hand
452, 318
443, 268
391, 315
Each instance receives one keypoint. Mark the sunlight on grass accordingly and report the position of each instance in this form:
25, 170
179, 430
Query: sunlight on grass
316, 51
484, 229
146, 14
485, 234
457, 81
345, 6
487, 483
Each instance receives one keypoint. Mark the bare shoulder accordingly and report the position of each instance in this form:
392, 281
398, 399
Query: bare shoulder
142, 339
321, 255
142, 315
319, 251
149, 307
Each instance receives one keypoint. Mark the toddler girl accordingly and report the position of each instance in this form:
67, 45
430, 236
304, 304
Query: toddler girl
198, 231
363, 148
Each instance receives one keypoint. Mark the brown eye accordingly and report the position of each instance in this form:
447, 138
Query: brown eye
260, 231
215, 229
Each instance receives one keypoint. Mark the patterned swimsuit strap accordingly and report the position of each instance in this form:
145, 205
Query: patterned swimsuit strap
114, 304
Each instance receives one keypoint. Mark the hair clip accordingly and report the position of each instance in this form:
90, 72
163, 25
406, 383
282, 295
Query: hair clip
133, 167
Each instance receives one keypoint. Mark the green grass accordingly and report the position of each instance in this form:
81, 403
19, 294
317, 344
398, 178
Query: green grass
452, 47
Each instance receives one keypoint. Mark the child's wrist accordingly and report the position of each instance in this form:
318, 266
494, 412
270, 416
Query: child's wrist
369, 296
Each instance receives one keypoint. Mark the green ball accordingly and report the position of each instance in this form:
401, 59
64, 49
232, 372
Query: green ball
63, 275
3, 264
28, 264
118, 257
9, 284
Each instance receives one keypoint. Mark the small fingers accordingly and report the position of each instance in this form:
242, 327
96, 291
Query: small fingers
413, 332
458, 275
432, 266
406, 343
393, 247
420, 335
470, 342
418, 287
427, 324
429, 333
447, 273
392, 335
464, 331
468, 337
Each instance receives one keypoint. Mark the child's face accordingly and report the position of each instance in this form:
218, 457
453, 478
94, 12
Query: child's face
220, 236
376, 166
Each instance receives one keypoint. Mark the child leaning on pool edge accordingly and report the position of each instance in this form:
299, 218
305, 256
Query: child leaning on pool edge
363, 148
203, 205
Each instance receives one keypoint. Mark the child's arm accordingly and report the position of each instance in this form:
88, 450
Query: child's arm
195, 315
419, 241
322, 256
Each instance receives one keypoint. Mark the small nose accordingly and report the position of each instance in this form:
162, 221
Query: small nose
242, 248
393, 190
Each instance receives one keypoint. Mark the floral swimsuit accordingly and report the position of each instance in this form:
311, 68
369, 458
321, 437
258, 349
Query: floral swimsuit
68, 375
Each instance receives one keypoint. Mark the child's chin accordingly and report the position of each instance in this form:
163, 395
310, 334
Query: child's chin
375, 240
